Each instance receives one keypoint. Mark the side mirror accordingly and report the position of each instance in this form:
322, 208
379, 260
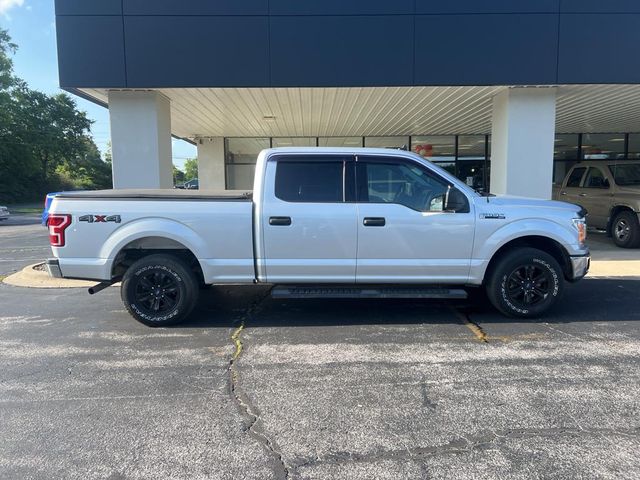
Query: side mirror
456, 201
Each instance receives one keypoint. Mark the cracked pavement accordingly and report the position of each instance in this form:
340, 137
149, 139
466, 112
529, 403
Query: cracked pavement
320, 389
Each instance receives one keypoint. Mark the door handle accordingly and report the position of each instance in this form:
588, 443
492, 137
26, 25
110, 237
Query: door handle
280, 221
374, 222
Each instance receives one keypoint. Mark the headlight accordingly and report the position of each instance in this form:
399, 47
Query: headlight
580, 225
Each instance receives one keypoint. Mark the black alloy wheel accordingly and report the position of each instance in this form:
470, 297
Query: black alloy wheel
159, 290
528, 285
524, 282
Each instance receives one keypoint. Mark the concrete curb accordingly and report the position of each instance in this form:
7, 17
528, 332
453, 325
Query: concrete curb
28, 277
615, 268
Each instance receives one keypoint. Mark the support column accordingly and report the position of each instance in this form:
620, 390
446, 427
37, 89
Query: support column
522, 142
141, 139
211, 175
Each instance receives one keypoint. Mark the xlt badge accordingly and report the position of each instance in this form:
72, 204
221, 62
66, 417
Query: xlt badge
493, 216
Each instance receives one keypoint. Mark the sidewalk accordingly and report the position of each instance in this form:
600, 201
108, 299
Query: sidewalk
608, 260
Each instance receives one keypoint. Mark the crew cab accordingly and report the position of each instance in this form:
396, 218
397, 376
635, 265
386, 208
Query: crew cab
328, 222
610, 192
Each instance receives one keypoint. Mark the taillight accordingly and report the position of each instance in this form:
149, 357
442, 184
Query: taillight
57, 225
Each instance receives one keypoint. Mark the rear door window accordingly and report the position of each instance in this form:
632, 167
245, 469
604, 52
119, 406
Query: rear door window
315, 180
575, 177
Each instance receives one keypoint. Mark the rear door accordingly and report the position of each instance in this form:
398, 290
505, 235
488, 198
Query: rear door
309, 229
404, 233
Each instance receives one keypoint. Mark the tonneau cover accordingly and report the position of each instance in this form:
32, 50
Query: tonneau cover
160, 194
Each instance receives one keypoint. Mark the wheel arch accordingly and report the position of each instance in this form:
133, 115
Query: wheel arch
150, 236
540, 242
615, 210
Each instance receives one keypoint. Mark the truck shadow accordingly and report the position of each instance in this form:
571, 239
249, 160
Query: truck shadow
603, 299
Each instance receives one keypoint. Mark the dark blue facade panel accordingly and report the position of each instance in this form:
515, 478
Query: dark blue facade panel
205, 51
486, 6
600, 6
344, 51
599, 48
195, 7
88, 7
341, 7
493, 50
90, 51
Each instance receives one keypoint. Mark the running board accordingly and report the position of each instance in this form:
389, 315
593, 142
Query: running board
368, 292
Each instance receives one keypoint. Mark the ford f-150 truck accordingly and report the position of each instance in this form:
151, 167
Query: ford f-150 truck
329, 222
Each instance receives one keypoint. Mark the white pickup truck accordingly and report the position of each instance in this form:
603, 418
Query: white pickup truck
329, 222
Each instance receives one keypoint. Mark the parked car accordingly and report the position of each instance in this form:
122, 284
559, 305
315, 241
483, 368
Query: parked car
47, 204
4, 213
321, 222
192, 184
610, 192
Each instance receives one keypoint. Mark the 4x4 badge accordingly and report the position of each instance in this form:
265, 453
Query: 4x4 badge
100, 218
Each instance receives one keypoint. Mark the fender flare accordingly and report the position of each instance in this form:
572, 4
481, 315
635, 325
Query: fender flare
534, 227
152, 227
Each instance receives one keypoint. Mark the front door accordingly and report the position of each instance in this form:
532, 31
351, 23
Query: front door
404, 233
596, 197
570, 191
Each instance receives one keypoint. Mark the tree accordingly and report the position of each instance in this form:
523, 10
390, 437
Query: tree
178, 176
191, 169
45, 142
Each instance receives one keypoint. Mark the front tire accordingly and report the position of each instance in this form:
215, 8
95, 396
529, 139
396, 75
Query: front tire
525, 283
625, 230
159, 290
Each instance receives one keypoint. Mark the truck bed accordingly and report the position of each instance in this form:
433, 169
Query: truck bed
160, 194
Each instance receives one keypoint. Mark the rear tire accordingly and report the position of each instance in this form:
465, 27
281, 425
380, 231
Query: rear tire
159, 290
625, 230
525, 283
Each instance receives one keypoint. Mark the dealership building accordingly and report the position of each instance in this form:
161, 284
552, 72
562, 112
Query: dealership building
506, 94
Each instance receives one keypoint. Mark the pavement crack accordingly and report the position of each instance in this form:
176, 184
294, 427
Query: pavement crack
462, 444
475, 328
249, 411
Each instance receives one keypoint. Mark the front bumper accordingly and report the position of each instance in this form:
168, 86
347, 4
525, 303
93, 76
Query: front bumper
580, 266
52, 266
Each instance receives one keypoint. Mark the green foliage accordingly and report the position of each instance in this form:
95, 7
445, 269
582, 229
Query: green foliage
191, 169
44, 140
178, 176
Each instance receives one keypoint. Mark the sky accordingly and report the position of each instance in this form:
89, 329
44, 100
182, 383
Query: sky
31, 25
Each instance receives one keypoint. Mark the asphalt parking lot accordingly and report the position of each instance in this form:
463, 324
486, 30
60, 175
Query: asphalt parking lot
255, 388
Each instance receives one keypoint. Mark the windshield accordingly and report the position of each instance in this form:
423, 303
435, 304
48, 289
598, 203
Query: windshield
626, 174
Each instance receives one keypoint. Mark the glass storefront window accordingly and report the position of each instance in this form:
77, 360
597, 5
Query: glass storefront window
560, 170
340, 142
387, 142
471, 147
602, 146
566, 147
634, 145
294, 142
437, 148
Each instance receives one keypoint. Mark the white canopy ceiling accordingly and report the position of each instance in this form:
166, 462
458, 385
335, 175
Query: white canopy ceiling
377, 111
